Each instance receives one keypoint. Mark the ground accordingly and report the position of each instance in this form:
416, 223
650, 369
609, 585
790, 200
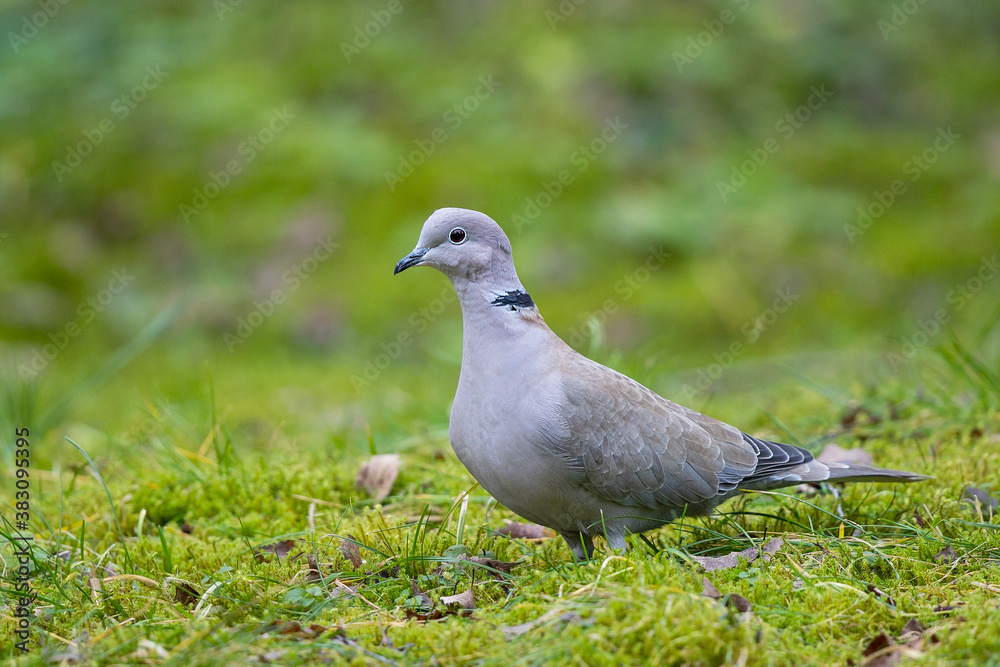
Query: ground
199, 544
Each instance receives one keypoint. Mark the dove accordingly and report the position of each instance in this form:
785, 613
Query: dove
568, 443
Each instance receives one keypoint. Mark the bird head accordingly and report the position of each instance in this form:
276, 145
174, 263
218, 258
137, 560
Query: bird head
463, 245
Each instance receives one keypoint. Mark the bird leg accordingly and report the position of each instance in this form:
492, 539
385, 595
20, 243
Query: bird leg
581, 545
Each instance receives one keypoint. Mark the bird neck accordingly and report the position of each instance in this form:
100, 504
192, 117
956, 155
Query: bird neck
497, 314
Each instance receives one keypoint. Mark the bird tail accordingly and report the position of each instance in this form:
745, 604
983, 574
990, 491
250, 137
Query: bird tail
842, 472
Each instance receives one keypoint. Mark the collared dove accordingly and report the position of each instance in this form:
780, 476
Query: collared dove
573, 445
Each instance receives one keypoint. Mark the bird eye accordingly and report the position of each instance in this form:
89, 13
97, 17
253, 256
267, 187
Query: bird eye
457, 236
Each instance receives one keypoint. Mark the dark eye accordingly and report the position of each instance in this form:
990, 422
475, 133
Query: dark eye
457, 235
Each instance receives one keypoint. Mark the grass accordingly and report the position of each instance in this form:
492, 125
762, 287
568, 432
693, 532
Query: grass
151, 553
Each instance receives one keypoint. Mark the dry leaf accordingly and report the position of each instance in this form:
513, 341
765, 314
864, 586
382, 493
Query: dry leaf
313, 573
185, 593
971, 494
295, 629
511, 631
912, 630
424, 600
378, 474
526, 531
289, 628
919, 519
279, 549
772, 547
834, 454
946, 555
497, 568
272, 656
879, 652
734, 600
429, 616
349, 548
881, 595
464, 600
732, 559
342, 589
738, 602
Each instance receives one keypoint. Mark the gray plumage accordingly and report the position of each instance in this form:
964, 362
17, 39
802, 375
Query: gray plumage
568, 443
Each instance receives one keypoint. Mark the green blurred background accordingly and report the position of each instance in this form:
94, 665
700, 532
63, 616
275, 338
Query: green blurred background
124, 126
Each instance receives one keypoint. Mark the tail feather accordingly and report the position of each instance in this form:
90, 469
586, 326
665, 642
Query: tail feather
842, 472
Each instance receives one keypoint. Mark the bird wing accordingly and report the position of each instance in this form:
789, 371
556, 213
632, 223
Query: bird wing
634, 447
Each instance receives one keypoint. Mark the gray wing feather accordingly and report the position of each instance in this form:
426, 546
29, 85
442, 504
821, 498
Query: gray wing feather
634, 447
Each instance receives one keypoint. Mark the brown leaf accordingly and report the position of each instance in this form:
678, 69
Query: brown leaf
343, 589
835, 454
313, 573
852, 416
429, 616
971, 495
185, 593
912, 630
729, 561
279, 549
772, 547
463, 600
526, 531
881, 595
919, 519
497, 567
387, 572
289, 628
378, 474
424, 600
738, 602
946, 555
709, 590
295, 629
732, 559
877, 649
349, 548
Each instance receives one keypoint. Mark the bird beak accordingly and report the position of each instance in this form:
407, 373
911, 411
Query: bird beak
413, 259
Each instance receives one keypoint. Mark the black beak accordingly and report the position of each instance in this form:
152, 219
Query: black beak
412, 259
